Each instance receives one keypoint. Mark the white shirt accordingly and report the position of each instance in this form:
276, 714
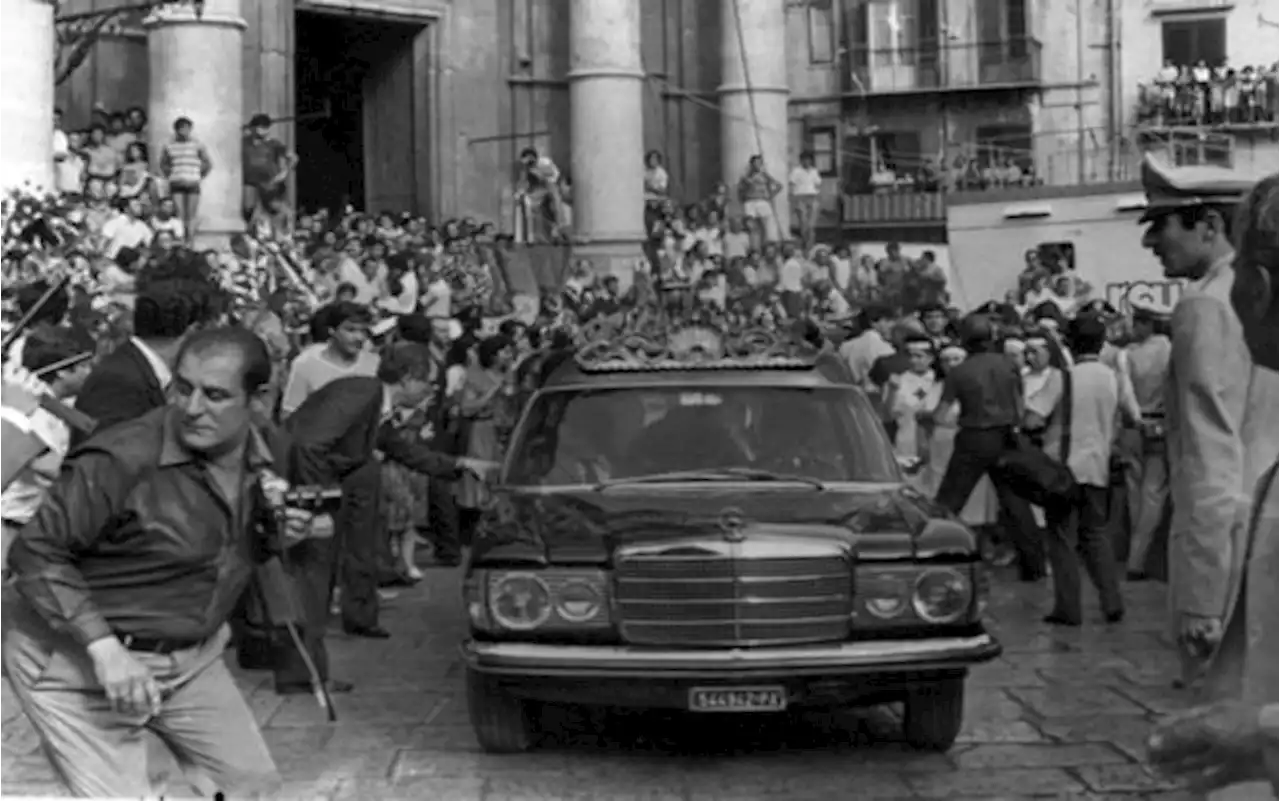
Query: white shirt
158, 365
804, 181
407, 300
123, 231
23, 496
368, 290
841, 272
437, 301
1095, 407
173, 225
791, 276
861, 353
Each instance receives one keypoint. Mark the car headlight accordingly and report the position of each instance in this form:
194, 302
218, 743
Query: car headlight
577, 599
884, 594
519, 601
555, 598
942, 595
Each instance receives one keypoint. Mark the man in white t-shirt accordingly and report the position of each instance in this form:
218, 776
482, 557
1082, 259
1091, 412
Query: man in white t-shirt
805, 182
127, 229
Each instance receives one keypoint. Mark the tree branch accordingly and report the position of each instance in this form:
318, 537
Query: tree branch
76, 42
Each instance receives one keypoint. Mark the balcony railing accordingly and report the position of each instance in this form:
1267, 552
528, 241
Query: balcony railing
944, 66
916, 200
1234, 105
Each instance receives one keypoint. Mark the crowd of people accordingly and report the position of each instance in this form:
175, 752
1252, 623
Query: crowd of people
388, 354
1204, 94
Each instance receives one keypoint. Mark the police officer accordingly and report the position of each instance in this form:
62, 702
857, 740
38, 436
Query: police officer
1220, 408
1228, 748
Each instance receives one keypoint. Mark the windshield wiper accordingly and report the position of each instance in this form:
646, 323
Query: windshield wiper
713, 474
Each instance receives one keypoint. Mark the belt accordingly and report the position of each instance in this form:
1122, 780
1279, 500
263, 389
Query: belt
158, 645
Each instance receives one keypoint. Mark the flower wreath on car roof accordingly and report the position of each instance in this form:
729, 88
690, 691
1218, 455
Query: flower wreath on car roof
653, 337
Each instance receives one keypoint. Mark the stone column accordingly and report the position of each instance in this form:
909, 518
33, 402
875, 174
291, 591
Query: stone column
753, 95
196, 69
26, 97
606, 96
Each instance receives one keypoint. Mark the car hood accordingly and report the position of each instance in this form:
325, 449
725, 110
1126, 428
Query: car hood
585, 526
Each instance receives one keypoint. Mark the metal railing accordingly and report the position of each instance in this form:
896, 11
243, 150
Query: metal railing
912, 200
1233, 103
944, 65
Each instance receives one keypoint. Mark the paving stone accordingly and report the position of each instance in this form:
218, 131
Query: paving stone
1064, 700
412, 790
1128, 733
1036, 756
1121, 778
1160, 700
1006, 731
988, 783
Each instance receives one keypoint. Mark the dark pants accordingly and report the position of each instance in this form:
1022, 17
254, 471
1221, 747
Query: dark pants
1077, 531
442, 524
311, 566
975, 455
362, 542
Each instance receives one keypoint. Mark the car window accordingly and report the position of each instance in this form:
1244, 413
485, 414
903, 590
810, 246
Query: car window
577, 436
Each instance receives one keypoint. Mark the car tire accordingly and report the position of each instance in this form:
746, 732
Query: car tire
503, 724
933, 714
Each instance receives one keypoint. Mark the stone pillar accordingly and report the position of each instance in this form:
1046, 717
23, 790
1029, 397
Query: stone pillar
26, 98
753, 95
196, 69
268, 80
606, 96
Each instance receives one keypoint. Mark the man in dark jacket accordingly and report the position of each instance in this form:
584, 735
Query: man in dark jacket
335, 435
132, 379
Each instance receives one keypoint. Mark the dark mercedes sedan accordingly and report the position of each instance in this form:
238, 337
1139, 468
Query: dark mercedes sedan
719, 534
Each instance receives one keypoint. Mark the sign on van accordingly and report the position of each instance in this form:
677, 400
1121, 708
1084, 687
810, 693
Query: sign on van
1159, 294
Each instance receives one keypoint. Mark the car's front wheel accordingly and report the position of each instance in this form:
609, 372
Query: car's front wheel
933, 714
503, 723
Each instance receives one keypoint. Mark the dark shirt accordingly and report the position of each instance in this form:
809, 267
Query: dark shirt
989, 389
262, 160
886, 367
135, 539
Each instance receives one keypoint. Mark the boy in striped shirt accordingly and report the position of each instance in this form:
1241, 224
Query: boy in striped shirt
185, 162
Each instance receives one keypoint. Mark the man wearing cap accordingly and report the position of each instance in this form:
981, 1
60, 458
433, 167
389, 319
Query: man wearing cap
1221, 746
1148, 478
1220, 408
267, 163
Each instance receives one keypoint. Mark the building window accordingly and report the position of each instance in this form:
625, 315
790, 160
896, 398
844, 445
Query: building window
893, 32
822, 143
1188, 41
822, 31
996, 142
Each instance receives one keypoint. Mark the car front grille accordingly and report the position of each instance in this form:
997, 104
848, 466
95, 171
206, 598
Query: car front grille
749, 593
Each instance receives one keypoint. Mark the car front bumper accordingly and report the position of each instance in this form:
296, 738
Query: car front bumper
522, 659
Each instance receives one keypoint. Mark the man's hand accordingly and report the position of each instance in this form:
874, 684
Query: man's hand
1199, 635
304, 524
130, 686
1212, 746
479, 468
22, 390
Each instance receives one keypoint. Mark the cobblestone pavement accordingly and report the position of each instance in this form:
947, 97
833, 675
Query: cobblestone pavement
1062, 714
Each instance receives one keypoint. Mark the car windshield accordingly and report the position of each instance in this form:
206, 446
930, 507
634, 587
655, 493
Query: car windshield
606, 436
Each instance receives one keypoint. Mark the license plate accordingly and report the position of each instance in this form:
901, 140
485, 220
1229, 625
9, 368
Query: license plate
737, 699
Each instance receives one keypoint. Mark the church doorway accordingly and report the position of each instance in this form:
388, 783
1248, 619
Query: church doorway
368, 149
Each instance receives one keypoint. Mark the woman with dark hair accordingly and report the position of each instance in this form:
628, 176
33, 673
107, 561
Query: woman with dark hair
135, 174
484, 407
